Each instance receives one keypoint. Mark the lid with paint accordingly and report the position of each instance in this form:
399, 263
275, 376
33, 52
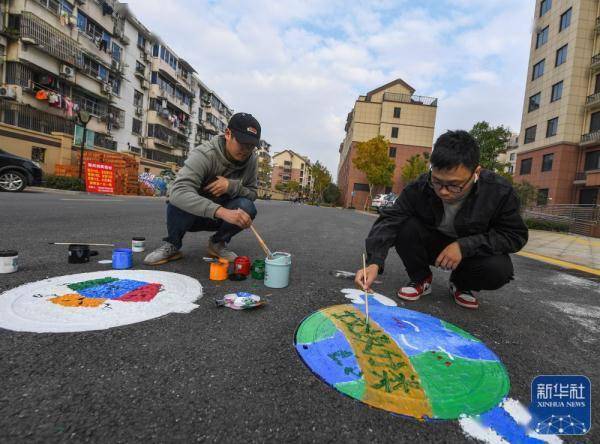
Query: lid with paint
138, 238
279, 258
8, 253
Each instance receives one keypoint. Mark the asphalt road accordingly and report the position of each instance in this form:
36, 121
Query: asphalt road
221, 375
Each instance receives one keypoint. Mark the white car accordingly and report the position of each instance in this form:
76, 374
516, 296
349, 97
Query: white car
379, 199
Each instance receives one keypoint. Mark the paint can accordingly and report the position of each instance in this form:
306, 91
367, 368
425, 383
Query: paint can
219, 270
80, 254
122, 258
9, 261
241, 265
258, 269
277, 270
138, 244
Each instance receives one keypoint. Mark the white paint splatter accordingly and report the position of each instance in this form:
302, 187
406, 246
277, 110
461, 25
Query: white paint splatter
568, 280
449, 355
587, 316
413, 325
406, 342
471, 427
356, 297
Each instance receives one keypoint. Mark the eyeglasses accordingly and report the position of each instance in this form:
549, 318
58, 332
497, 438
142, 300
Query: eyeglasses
437, 186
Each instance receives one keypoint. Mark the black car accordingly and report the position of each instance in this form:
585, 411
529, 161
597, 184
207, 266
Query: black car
18, 172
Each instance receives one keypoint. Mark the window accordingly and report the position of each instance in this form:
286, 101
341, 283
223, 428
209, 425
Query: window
595, 122
545, 6
393, 152
542, 37
138, 99
538, 69
38, 154
557, 89
552, 127
597, 84
565, 20
388, 190
547, 161
361, 187
542, 196
141, 41
534, 102
588, 196
116, 52
526, 166
146, 170
561, 55
394, 132
592, 161
396, 113
57, 6
513, 156
530, 134
511, 169
136, 127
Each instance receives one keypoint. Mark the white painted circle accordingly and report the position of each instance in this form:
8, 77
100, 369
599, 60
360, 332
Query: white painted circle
30, 307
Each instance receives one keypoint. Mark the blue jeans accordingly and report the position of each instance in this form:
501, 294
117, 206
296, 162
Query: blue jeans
180, 222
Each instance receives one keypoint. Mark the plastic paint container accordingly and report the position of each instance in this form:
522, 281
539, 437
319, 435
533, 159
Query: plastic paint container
258, 269
9, 261
241, 265
219, 270
277, 270
138, 244
122, 258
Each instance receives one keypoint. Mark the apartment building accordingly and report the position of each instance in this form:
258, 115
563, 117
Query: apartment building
290, 166
264, 165
559, 147
407, 121
62, 57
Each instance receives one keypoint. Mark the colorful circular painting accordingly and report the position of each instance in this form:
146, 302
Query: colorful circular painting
96, 301
406, 362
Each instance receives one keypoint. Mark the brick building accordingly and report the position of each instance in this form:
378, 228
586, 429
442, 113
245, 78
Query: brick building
290, 166
405, 120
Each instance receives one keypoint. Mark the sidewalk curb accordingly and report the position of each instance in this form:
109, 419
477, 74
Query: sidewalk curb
85, 193
558, 262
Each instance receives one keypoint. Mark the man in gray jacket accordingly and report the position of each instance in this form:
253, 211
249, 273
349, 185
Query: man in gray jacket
214, 191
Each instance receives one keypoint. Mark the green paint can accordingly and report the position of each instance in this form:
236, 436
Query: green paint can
258, 269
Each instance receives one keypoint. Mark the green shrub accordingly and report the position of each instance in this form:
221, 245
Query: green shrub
547, 225
64, 183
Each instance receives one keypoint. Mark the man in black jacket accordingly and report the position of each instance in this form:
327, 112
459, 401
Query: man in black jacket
457, 217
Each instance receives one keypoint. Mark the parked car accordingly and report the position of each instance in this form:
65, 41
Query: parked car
388, 201
376, 203
17, 172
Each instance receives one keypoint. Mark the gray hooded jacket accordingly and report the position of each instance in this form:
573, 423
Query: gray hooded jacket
204, 163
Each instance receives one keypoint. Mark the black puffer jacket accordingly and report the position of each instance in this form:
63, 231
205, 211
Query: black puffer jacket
488, 223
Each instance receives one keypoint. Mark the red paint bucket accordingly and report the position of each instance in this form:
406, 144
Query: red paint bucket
241, 265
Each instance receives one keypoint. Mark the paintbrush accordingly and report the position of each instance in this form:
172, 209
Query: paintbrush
261, 242
366, 292
211, 260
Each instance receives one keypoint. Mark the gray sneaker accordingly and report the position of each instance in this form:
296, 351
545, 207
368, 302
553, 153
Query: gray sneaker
218, 249
163, 254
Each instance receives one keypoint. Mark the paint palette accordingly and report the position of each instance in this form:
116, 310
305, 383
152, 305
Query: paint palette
405, 362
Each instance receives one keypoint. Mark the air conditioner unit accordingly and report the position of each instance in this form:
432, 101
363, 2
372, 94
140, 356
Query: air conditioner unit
73, 20
139, 111
67, 71
107, 88
117, 66
8, 92
145, 84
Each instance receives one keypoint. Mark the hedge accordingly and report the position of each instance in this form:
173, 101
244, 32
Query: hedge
547, 225
64, 183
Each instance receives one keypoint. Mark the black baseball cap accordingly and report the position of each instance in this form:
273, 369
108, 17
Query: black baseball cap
245, 128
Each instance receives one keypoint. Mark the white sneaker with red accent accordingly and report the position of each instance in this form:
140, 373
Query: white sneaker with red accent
414, 290
464, 298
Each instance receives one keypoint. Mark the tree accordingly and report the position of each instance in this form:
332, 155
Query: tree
331, 194
527, 193
492, 142
414, 167
321, 179
372, 158
293, 187
264, 171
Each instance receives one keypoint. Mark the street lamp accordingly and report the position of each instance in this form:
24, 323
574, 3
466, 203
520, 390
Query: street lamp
84, 117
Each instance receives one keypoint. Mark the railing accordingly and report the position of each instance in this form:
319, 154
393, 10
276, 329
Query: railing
168, 136
592, 99
50, 40
580, 177
159, 156
582, 219
591, 137
596, 61
104, 141
26, 117
407, 98
93, 107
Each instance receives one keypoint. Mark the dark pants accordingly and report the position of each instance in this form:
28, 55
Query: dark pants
419, 247
180, 222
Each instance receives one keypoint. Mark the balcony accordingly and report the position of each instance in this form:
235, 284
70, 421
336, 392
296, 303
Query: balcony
24, 116
580, 178
593, 101
597, 24
105, 141
407, 98
45, 37
159, 156
168, 137
595, 62
590, 138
